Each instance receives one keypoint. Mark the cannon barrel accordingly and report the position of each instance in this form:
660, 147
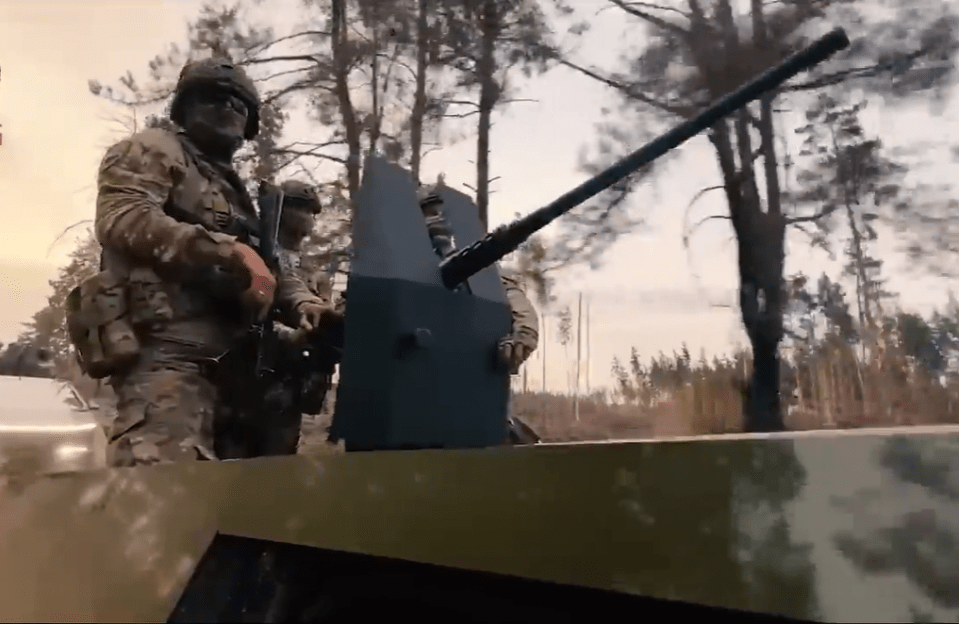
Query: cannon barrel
505, 239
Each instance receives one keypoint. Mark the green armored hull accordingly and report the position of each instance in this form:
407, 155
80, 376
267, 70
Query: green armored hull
827, 526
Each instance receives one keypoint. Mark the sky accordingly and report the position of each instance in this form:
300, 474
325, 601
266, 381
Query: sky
650, 293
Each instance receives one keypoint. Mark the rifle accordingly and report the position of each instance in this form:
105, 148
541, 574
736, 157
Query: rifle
301, 361
247, 373
270, 200
274, 379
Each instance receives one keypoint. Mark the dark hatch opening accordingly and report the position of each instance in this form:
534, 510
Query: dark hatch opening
247, 580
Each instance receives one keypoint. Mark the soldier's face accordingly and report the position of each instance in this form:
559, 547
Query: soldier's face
295, 225
217, 118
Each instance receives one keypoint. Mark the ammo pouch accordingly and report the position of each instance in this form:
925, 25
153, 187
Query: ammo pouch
98, 326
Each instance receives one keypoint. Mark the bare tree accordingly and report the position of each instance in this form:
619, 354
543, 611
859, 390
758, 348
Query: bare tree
697, 53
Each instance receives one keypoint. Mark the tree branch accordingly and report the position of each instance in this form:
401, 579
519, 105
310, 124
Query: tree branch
825, 212
302, 85
853, 72
630, 8
286, 72
695, 199
263, 47
459, 115
301, 153
802, 229
276, 59
628, 91
459, 102
646, 5
701, 222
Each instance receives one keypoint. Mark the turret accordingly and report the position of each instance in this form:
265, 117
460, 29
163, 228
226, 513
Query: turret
419, 366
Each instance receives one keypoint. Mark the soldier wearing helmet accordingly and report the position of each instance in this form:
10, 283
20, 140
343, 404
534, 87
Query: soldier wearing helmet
171, 211
301, 204
514, 348
301, 207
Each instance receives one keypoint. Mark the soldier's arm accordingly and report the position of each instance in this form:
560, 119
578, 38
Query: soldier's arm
292, 292
525, 317
133, 184
292, 289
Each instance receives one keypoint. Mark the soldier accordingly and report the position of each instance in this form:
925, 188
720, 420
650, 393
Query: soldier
297, 220
301, 205
514, 348
171, 211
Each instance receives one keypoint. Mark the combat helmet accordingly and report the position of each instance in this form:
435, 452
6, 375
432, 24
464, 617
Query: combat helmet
217, 72
301, 204
301, 195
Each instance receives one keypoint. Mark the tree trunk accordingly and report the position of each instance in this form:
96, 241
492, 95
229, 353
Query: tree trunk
759, 238
341, 69
419, 97
761, 241
489, 94
374, 128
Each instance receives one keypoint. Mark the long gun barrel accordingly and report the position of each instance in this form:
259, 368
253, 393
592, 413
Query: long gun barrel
505, 239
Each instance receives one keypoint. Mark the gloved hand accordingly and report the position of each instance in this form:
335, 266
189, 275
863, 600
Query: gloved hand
515, 349
262, 289
316, 314
219, 250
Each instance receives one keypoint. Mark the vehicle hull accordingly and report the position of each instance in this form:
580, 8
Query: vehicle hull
825, 526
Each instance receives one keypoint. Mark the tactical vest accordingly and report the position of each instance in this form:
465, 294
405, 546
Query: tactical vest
111, 316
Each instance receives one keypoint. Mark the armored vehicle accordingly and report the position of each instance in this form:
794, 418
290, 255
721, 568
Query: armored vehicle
428, 516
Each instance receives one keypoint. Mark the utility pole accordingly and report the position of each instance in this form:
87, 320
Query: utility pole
545, 340
588, 360
579, 344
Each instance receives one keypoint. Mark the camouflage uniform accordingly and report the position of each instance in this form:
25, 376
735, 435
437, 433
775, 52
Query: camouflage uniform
525, 329
523, 338
162, 205
301, 204
525, 318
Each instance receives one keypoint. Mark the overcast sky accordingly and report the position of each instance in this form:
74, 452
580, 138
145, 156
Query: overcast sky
650, 293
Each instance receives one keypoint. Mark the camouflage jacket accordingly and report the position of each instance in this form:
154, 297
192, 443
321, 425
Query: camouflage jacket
157, 196
525, 317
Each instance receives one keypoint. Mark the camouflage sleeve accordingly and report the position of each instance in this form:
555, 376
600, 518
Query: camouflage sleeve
292, 291
292, 288
319, 283
134, 182
525, 317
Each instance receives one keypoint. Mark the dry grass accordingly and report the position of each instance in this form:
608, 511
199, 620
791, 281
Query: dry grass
830, 391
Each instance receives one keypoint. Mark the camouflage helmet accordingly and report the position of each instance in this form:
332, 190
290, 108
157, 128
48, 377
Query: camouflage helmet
217, 72
301, 195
